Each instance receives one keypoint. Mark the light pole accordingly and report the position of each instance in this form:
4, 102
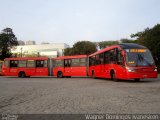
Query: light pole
21, 51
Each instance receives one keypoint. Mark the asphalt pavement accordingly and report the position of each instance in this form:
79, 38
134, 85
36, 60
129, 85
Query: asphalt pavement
50, 95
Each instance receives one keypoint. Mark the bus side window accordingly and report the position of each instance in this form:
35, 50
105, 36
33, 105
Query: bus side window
75, 62
45, 63
22, 63
97, 60
101, 57
92, 61
120, 60
83, 62
39, 63
6, 63
30, 63
112, 56
58, 63
67, 63
13, 63
106, 57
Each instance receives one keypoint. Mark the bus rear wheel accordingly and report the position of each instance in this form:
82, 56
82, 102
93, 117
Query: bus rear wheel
21, 74
60, 74
93, 75
113, 77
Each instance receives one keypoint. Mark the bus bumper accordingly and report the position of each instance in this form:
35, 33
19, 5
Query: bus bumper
134, 75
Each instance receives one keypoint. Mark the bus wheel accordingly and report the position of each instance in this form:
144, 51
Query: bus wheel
59, 74
137, 80
93, 75
21, 74
113, 77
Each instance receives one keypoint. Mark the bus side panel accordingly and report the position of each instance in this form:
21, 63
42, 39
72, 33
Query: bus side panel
107, 71
79, 71
29, 71
57, 69
41, 71
120, 71
13, 72
101, 71
97, 71
67, 71
5, 71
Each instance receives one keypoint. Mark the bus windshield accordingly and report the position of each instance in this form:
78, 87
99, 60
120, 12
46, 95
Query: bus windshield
139, 58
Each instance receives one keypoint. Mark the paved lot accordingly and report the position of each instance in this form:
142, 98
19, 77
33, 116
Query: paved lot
78, 95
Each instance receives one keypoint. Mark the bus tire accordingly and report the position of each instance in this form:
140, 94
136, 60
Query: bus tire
22, 74
60, 74
136, 79
113, 76
93, 75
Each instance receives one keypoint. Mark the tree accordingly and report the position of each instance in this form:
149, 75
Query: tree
68, 51
150, 38
84, 47
125, 40
104, 44
80, 48
7, 41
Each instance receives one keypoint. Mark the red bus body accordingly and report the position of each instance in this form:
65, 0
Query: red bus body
77, 66
29, 66
100, 66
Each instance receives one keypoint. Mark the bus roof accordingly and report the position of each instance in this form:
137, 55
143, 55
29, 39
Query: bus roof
131, 46
121, 45
27, 58
70, 57
105, 49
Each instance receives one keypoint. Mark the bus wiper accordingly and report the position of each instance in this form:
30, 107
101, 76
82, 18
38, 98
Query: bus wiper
142, 59
137, 58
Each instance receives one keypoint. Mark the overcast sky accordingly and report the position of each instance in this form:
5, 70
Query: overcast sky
68, 21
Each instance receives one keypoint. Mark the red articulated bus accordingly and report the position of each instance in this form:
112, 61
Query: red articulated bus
24, 67
123, 61
67, 66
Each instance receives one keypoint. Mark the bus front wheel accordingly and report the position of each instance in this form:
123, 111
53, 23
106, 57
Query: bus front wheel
137, 80
59, 74
21, 74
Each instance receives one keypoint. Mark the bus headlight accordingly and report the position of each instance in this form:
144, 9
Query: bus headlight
130, 69
155, 69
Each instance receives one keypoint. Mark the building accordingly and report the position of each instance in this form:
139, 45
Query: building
45, 43
30, 42
20, 42
49, 50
